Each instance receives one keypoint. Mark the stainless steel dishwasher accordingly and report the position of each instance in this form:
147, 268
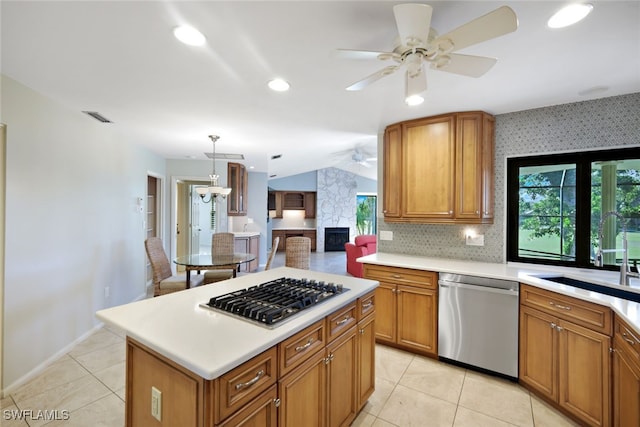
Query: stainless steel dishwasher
478, 322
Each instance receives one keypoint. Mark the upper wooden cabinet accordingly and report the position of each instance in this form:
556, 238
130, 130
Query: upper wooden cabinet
292, 200
239, 182
440, 169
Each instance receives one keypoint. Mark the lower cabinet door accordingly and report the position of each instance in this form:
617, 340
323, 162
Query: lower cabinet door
366, 359
303, 394
585, 372
262, 411
342, 379
386, 313
626, 390
417, 319
538, 352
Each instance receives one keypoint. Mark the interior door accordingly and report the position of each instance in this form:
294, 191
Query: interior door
203, 221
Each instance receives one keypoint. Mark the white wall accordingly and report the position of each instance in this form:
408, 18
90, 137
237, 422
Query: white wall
72, 226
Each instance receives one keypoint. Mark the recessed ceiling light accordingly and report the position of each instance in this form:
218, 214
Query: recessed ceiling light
189, 35
414, 100
569, 15
279, 85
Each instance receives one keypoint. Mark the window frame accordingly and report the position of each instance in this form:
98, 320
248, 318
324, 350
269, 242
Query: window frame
583, 161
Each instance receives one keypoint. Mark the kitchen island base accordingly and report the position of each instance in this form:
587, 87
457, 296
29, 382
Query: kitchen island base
322, 375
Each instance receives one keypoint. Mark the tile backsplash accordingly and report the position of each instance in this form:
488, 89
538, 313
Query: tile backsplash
607, 122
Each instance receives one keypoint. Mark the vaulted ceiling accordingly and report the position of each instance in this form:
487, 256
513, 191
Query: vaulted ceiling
120, 58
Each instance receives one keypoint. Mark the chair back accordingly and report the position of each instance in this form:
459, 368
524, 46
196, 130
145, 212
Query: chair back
159, 262
222, 243
272, 254
298, 252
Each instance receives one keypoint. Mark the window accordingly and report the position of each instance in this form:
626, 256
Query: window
555, 204
366, 214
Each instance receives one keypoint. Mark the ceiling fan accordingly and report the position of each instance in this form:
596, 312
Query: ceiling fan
357, 156
419, 43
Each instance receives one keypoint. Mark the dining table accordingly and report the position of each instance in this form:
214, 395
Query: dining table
207, 261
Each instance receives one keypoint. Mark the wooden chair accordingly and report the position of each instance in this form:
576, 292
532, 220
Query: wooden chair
164, 281
298, 252
221, 244
272, 254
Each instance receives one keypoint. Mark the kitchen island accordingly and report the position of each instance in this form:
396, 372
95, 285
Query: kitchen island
192, 366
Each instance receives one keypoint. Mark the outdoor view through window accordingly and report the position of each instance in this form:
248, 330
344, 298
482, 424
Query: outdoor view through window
558, 206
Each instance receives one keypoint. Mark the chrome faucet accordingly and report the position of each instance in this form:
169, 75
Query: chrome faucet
625, 269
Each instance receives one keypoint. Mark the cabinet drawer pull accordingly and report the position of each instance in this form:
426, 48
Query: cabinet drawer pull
561, 307
306, 346
629, 340
367, 304
252, 381
343, 321
396, 276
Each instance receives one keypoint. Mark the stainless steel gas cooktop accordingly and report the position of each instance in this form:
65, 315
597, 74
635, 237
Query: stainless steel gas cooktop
272, 302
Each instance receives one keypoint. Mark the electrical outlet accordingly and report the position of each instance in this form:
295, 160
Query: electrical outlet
477, 240
156, 403
386, 235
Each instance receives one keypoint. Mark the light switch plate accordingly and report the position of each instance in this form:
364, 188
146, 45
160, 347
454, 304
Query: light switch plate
477, 240
156, 403
386, 235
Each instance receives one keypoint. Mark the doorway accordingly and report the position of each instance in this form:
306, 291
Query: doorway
153, 223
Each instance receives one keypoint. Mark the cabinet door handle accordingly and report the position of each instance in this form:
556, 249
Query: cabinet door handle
252, 381
276, 402
553, 325
306, 346
361, 331
629, 340
561, 307
328, 359
343, 321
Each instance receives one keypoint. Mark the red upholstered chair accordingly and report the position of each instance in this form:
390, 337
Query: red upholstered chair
363, 245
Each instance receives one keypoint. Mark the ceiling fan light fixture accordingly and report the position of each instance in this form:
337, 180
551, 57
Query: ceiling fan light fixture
413, 100
570, 15
189, 35
279, 85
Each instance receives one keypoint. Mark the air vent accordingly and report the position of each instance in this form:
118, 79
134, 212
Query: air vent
226, 156
277, 156
99, 117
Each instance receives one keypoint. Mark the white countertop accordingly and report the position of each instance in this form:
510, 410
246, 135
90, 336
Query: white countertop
211, 343
524, 273
294, 228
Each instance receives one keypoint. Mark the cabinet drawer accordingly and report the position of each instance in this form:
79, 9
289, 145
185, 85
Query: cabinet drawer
299, 347
341, 320
428, 279
366, 305
239, 386
587, 314
629, 339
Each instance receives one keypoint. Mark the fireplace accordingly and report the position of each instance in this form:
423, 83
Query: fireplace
335, 238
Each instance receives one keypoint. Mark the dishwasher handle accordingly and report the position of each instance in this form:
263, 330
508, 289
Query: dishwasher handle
446, 284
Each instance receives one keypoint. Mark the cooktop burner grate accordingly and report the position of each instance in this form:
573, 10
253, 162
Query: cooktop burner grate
274, 301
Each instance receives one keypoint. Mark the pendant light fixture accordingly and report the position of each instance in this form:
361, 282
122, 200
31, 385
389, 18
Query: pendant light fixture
214, 189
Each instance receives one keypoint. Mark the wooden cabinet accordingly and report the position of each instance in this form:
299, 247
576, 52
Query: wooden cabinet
626, 375
406, 308
238, 180
251, 245
283, 234
278, 201
563, 360
440, 169
320, 376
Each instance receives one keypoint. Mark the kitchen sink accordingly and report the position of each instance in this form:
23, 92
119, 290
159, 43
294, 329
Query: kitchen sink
602, 289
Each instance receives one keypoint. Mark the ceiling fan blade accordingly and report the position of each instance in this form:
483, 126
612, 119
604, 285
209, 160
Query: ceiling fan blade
494, 24
415, 84
465, 65
359, 85
361, 54
413, 21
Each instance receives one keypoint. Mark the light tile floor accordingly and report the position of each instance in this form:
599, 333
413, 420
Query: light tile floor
86, 388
